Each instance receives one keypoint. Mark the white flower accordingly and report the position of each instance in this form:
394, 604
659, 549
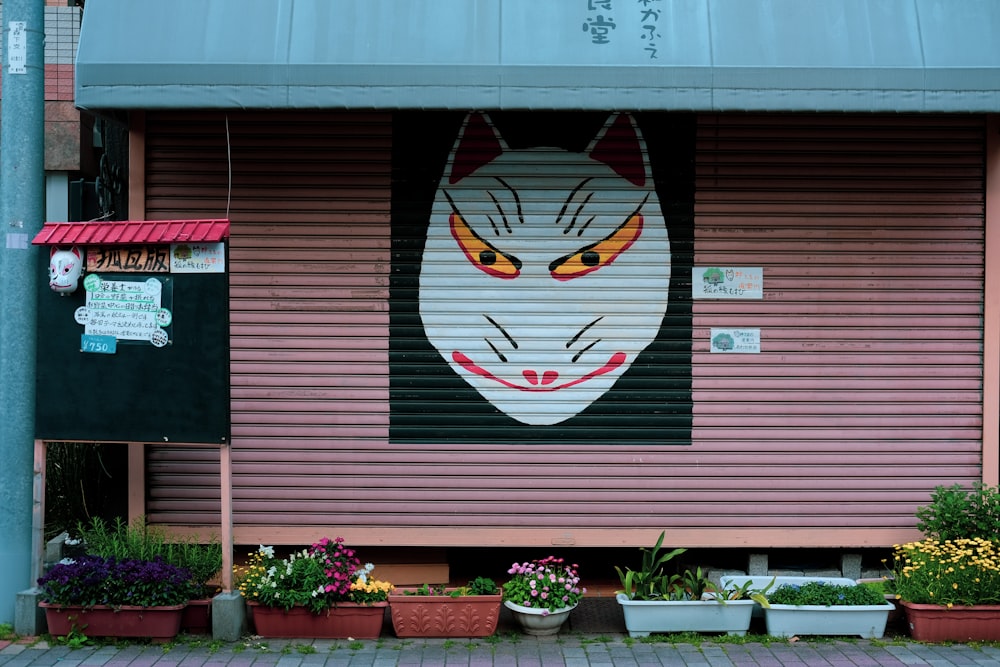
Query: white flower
67, 561
271, 571
267, 551
362, 577
72, 541
369, 567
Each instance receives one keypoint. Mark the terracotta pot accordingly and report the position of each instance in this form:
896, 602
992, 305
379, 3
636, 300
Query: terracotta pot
347, 620
443, 615
197, 617
539, 622
157, 623
938, 623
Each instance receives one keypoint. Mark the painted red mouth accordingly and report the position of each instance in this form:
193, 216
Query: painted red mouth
615, 361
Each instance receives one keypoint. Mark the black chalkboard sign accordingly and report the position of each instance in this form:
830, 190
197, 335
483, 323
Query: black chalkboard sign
101, 377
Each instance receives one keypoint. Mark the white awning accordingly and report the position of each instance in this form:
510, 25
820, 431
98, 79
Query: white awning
774, 55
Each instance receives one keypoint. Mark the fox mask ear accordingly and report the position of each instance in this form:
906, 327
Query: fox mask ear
478, 144
616, 145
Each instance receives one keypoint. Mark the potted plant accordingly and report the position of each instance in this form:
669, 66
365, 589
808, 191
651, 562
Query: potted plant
950, 589
320, 592
949, 582
139, 540
204, 560
823, 608
654, 600
472, 610
112, 597
541, 593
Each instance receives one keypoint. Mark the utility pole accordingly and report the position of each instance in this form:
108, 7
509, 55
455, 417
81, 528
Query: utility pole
22, 211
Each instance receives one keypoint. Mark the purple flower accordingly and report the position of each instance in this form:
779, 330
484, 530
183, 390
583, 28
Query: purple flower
94, 580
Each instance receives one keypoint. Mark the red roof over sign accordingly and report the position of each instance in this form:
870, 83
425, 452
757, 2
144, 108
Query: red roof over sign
125, 232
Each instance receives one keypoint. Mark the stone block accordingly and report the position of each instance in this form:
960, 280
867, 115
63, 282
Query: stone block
850, 565
757, 564
29, 618
229, 616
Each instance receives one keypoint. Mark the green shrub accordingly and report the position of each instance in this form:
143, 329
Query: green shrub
955, 512
140, 541
825, 594
122, 540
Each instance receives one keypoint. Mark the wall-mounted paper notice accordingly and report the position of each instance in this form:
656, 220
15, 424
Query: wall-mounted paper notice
198, 258
17, 48
745, 341
727, 282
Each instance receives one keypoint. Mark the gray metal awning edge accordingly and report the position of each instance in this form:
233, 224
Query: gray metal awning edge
210, 69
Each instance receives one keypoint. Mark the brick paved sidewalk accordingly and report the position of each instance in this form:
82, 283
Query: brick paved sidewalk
507, 650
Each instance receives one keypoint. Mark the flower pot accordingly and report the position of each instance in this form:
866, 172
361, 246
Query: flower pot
539, 622
774, 582
443, 615
645, 616
197, 617
938, 623
347, 620
159, 624
787, 620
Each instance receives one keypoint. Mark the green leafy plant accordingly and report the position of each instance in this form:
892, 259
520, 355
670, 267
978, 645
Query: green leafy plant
137, 540
882, 586
426, 589
955, 512
317, 578
548, 583
483, 586
203, 560
821, 593
948, 572
478, 586
745, 591
650, 582
692, 585
121, 539
653, 582
75, 638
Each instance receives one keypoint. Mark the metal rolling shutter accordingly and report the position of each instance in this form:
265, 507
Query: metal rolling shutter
308, 289
866, 394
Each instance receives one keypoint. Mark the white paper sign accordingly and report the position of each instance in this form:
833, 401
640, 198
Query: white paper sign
727, 282
198, 258
122, 309
17, 47
736, 341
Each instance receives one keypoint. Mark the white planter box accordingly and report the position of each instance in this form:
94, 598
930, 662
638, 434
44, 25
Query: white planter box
759, 581
867, 621
645, 616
